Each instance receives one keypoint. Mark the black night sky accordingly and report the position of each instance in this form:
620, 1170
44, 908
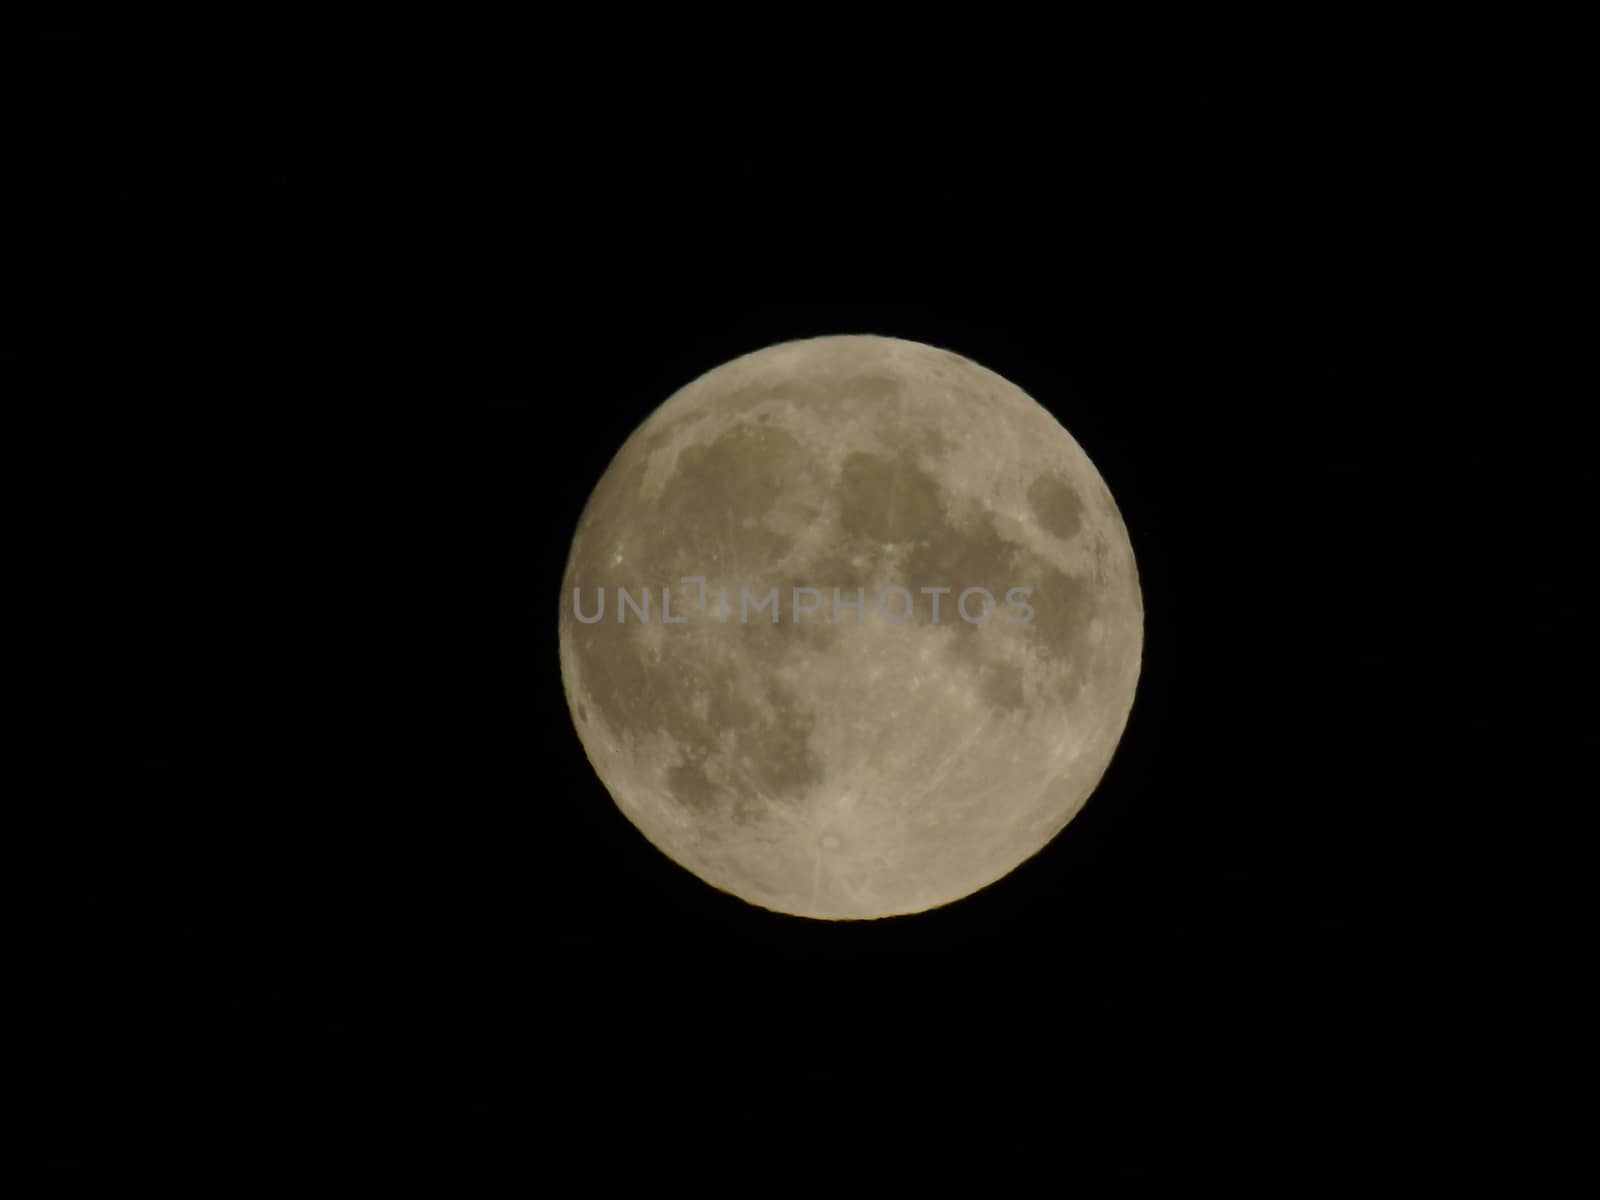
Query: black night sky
356, 355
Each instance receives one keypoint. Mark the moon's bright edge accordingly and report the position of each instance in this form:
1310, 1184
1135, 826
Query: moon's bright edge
855, 768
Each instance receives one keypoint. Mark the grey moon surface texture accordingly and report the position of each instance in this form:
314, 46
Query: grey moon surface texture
850, 760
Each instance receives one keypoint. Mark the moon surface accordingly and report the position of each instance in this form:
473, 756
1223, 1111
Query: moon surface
826, 758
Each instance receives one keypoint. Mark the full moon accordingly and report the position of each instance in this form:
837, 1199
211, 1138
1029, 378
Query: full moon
850, 627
